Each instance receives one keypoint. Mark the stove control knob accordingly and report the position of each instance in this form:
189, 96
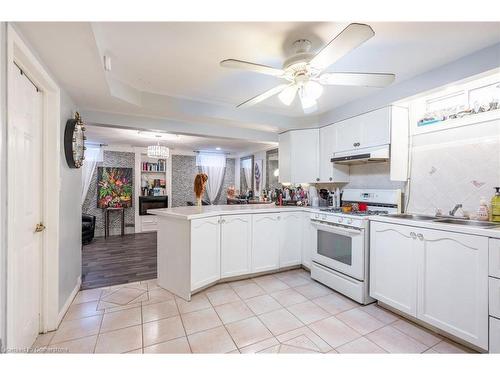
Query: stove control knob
323, 217
349, 221
340, 220
316, 216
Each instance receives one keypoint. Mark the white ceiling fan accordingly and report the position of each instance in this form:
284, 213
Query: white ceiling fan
305, 74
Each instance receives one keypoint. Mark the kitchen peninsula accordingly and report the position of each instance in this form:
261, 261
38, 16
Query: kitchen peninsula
199, 246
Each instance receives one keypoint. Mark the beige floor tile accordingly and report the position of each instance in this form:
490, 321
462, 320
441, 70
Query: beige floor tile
120, 341
175, 346
43, 340
360, 346
136, 351
158, 295
395, 341
137, 285
335, 303
361, 321
198, 302
222, 296
431, 351
247, 332
111, 307
292, 280
233, 312
288, 349
448, 347
280, 321
288, 297
308, 312
378, 312
304, 337
200, 320
334, 332
420, 334
313, 290
74, 329
162, 330
159, 311
215, 340
262, 304
82, 345
82, 310
216, 287
275, 349
249, 290
88, 295
270, 283
123, 296
121, 319
261, 345
236, 283
151, 284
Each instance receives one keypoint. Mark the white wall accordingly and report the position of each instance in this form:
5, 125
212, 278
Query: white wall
70, 215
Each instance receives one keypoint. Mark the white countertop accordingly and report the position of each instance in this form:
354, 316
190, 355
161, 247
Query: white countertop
194, 212
465, 229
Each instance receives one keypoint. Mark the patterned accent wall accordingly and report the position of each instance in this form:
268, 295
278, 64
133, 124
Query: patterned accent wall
184, 170
111, 159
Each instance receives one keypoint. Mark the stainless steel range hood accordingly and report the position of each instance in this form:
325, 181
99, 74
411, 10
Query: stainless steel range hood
362, 156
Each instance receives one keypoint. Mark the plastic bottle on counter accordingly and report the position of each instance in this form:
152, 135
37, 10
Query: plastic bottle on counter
483, 213
495, 205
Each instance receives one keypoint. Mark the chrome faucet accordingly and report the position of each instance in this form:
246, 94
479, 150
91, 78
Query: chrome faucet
455, 209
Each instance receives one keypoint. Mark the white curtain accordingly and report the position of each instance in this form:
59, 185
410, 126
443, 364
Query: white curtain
247, 172
214, 166
93, 155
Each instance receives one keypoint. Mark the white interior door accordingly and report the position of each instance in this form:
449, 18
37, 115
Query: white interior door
25, 211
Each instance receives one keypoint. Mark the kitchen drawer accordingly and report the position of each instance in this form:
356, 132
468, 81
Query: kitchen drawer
494, 297
494, 335
494, 254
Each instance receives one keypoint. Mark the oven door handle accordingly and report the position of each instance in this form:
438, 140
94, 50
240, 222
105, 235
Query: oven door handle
336, 229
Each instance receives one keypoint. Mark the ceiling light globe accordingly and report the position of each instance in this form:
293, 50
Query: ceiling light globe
313, 90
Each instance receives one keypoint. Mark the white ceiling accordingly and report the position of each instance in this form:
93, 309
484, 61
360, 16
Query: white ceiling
175, 65
113, 136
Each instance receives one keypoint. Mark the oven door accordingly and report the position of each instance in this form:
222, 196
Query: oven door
341, 249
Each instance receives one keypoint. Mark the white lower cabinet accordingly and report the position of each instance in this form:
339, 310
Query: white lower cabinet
290, 231
393, 266
205, 252
236, 241
308, 240
149, 223
265, 242
436, 276
494, 335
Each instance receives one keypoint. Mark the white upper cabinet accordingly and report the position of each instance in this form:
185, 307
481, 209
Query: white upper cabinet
328, 171
236, 242
298, 156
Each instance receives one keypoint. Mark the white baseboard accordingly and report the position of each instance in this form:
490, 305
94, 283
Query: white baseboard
69, 300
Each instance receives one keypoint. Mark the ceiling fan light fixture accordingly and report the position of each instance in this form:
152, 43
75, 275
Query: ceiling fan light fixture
288, 94
309, 104
312, 89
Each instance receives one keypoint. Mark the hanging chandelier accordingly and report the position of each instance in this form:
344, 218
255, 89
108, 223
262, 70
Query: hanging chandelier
158, 151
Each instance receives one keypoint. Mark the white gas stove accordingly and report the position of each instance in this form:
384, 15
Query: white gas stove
341, 251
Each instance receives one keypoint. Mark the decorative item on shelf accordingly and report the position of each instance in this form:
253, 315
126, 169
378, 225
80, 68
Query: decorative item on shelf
158, 151
74, 141
200, 182
160, 166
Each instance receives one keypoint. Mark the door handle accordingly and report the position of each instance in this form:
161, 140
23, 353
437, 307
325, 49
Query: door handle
413, 235
39, 228
420, 236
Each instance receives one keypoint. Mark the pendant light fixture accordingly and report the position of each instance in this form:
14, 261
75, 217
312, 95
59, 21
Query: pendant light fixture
158, 151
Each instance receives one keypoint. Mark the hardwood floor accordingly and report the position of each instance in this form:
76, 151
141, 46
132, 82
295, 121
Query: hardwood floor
119, 260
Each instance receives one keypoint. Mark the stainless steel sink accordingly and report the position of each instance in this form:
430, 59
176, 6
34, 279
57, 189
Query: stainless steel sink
412, 217
472, 223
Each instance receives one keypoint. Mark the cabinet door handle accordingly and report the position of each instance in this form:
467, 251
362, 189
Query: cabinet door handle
420, 236
331, 178
413, 235
279, 217
317, 178
354, 144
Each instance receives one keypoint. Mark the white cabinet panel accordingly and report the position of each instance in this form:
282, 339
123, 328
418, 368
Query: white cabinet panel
205, 252
298, 156
328, 171
308, 240
453, 284
494, 297
149, 223
494, 336
375, 127
393, 266
284, 157
265, 242
290, 239
494, 257
348, 134
236, 232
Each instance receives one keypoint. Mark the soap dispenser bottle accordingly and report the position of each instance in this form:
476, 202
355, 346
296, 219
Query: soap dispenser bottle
495, 205
483, 212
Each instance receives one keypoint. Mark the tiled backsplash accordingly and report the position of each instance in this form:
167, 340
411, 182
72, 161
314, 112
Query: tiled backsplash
372, 176
458, 165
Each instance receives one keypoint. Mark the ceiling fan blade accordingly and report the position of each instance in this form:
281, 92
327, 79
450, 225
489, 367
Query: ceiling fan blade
357, 79
258, 68
351, 37
264, 96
